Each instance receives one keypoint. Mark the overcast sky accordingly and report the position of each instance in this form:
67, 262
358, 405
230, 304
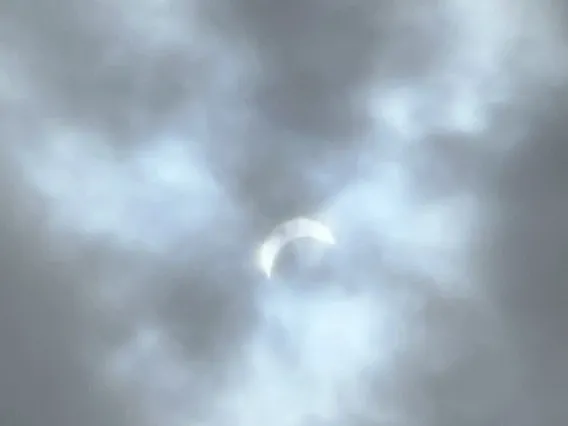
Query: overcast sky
149, 146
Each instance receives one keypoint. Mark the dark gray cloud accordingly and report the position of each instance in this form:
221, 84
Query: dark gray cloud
314, 65
47, 322
151, 145
525, 259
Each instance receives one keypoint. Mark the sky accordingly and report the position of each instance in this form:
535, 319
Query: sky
149, 147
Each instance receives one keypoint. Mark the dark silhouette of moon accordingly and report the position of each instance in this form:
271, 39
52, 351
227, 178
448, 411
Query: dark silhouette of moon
287, 232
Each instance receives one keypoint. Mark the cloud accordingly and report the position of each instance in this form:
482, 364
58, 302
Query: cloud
152, 145
47, 324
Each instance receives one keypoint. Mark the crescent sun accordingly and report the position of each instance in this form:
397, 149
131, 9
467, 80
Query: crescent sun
286, 232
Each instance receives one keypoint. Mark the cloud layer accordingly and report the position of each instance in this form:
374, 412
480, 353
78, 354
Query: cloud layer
150, 146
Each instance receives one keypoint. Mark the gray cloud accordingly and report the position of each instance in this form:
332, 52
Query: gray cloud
153, 144
46, 324
525, 259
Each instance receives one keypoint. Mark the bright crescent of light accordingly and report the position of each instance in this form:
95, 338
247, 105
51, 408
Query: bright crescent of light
289, 231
